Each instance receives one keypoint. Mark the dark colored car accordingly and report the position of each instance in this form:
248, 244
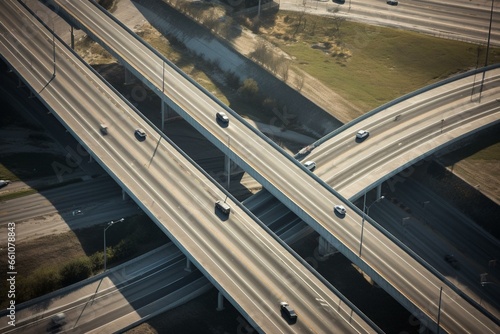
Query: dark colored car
222, 117
451, 260
140, 134
288, 313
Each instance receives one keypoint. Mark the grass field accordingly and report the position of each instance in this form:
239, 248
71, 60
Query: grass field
370, 65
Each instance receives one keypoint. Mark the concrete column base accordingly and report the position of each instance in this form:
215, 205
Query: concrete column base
129, 78
220, 302
325, 249
189, 267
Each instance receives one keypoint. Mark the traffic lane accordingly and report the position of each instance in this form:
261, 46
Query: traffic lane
389, 123
104, 305
82, 124
163, 164
432, 132
420, 289
380, 172
67, 198
45, 224
249, 250
414, 16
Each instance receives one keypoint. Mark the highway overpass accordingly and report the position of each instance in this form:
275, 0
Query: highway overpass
415, 284
250, 266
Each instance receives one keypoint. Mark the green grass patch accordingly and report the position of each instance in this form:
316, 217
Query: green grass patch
17, 194
371, 65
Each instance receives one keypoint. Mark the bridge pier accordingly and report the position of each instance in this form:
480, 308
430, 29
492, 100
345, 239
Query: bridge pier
220, 302
124, 195
189, 267
379, 190
72, 38
163, 114
230, 167
20, 83
129, 77
423, 329
166, 113
325, 248
227, 170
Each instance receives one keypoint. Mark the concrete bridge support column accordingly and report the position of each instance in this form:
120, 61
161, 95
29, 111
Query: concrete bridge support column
325, 248
227, 170
124, 195
166, 113
189, 267
163, 107
220, 302
423, 329
129, 77
379, 190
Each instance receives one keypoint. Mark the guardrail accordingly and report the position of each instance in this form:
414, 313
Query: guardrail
403, 98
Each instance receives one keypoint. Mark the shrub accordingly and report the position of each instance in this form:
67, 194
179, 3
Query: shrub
249, 88
97, 261
124, 249
76, 270
38, 283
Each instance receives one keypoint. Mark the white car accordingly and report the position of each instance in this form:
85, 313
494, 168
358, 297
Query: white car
140, 133
340, 209
311, 165
362, 134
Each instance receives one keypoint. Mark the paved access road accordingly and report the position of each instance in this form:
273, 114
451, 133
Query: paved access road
464, 20
111, 301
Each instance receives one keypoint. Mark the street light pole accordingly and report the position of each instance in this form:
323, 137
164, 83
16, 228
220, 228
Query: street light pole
54, 49
487, 48
228, 166
111, 223
367, 209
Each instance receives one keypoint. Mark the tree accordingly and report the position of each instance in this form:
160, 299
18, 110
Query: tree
249, 88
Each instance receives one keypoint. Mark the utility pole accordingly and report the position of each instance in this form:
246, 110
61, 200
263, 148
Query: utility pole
111, 223
487, 49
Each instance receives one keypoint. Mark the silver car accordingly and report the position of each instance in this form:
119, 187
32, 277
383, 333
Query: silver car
362, 134
340, 209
